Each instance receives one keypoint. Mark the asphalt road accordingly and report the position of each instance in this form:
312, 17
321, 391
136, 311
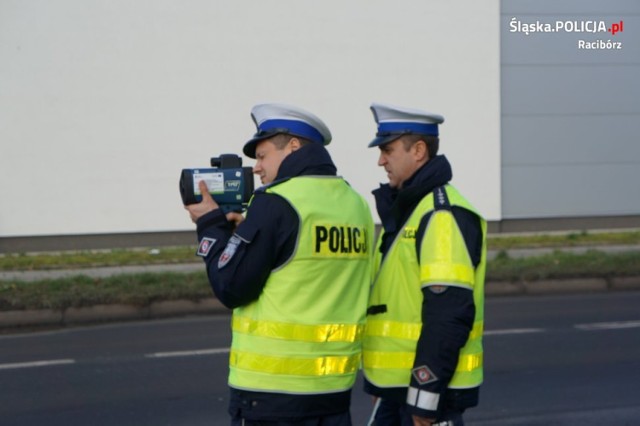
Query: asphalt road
550, 360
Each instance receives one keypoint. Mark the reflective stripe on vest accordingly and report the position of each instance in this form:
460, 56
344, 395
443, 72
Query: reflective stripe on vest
392, 334
301, 332
404, 360
318, 366
411, 332
304, 333
399, 330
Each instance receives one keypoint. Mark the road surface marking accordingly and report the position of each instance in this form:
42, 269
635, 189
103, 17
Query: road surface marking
513, 331
33, 364
200, 352
608, 325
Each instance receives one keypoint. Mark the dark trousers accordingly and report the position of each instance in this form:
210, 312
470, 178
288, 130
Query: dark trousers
391, 413
343, 419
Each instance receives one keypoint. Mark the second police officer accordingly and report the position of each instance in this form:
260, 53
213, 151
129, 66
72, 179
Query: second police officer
423, 341
296, 274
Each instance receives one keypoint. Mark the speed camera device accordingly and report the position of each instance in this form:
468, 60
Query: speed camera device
230, 184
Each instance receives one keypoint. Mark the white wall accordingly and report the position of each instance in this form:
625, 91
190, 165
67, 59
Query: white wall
103, 102
570, 116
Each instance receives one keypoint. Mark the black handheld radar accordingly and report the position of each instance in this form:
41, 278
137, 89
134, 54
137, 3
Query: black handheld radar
230, 184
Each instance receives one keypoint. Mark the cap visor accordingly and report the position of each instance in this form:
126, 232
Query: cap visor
381, 140
249, 148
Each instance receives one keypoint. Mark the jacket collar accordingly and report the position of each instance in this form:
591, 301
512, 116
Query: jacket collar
310, 160
394, 206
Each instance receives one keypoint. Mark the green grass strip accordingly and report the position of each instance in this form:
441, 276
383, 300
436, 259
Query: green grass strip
498, 242
79, 291
559, 265
146, 288
91, 259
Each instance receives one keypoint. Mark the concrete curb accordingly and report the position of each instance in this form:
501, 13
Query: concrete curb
210, 306
625, 283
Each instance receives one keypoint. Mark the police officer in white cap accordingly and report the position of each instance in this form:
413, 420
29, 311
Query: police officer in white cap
296, 274
423, 340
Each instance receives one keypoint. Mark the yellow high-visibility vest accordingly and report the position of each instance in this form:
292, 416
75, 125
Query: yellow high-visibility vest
303, 335
391, 336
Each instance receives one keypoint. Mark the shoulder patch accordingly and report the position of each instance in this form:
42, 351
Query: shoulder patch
205, 246
229, 251
424, 375
440, 199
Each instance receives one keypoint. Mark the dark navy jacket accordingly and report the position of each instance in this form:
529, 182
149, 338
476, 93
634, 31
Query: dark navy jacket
447, 317
266, 241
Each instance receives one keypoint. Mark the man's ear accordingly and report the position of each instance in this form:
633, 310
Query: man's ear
294, 144
421, 152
